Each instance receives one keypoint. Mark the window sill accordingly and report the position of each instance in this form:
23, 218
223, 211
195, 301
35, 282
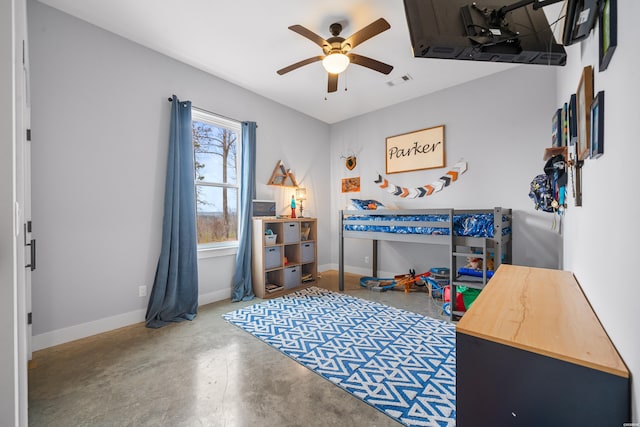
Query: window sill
218, 251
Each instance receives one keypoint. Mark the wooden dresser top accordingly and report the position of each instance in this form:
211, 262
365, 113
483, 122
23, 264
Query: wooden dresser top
543, 311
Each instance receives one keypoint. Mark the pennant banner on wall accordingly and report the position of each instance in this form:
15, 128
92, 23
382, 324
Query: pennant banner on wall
426, 190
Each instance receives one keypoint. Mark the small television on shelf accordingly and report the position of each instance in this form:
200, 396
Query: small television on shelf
264, 208
483, 30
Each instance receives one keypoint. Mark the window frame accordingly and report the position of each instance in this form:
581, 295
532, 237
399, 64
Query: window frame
206, 250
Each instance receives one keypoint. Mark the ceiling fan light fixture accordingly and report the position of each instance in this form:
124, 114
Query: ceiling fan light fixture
335, 63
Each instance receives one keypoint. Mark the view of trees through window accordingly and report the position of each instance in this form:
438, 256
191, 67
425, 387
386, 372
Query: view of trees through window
216, 143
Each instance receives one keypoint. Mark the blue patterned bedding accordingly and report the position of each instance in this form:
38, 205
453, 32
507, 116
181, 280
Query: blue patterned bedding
471, 225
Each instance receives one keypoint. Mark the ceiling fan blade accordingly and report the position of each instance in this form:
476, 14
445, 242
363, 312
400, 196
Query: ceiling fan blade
373, 29
364, 61
310, 35
299, 64
333, 83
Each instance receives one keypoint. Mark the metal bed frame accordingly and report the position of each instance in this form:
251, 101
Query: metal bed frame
498, 246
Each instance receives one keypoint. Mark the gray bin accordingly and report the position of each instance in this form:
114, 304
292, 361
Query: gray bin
292, 277
272, 258
291, 232
308, 252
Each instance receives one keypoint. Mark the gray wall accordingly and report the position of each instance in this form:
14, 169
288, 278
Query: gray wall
498, 124
100, 123
600, 238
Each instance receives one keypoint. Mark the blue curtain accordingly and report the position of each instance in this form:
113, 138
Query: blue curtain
242, 285
174, 296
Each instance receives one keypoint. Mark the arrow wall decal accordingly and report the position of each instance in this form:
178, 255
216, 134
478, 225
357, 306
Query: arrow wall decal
427, 189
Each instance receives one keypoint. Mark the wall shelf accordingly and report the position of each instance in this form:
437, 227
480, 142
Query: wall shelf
282, 177
554, 151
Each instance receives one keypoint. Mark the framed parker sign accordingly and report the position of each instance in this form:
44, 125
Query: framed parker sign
421, 149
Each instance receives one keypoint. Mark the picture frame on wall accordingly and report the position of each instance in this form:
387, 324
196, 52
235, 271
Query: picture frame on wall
418, 150
565, 124
608, 32
597, 126
573, 126
584, 96
351, 185
556, 128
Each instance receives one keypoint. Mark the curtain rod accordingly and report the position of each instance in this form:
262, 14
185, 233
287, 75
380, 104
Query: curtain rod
212, 113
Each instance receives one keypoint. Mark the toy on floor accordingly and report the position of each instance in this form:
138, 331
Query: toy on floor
408, 280
436, 289
446, 307
377, 284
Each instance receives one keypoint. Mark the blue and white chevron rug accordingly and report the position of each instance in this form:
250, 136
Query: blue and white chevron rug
399, 362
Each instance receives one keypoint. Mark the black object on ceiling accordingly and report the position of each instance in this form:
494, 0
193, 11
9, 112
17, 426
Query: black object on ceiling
485, 30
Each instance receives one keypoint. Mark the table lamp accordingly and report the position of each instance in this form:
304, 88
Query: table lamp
301, 195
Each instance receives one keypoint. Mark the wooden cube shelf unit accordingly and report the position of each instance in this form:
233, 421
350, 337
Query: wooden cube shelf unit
288, 263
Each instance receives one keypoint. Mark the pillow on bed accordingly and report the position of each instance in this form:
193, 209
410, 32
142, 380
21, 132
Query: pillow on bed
364, 205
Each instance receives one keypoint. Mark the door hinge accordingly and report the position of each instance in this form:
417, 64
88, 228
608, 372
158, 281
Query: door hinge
29, 318
28, 134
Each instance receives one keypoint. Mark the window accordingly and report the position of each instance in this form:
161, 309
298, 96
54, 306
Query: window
216, 154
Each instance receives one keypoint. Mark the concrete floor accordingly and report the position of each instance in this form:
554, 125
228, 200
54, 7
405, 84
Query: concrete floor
201, 373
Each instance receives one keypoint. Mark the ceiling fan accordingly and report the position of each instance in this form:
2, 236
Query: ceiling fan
337, 50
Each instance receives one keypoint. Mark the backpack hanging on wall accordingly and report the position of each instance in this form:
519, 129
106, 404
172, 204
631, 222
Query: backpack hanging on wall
548, 190
541, 194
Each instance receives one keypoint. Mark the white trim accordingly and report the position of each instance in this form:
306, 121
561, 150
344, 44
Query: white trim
214, 252
84, 330
327, 267
358, 270
215, 296
76, 332
235, 126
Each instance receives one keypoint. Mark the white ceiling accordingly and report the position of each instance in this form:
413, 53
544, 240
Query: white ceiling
246, 41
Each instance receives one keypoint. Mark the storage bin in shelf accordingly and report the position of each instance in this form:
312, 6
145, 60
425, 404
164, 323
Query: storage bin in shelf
273, 228
292, 277
291, 232
272, 257
308, 252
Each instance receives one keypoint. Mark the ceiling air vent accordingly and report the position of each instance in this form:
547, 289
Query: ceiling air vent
399, 80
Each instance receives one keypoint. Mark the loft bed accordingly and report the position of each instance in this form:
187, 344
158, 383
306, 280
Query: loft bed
481, 233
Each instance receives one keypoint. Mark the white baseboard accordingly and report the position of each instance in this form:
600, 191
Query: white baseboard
210, 297
76, 332
326, 267
358, 270
72, 333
